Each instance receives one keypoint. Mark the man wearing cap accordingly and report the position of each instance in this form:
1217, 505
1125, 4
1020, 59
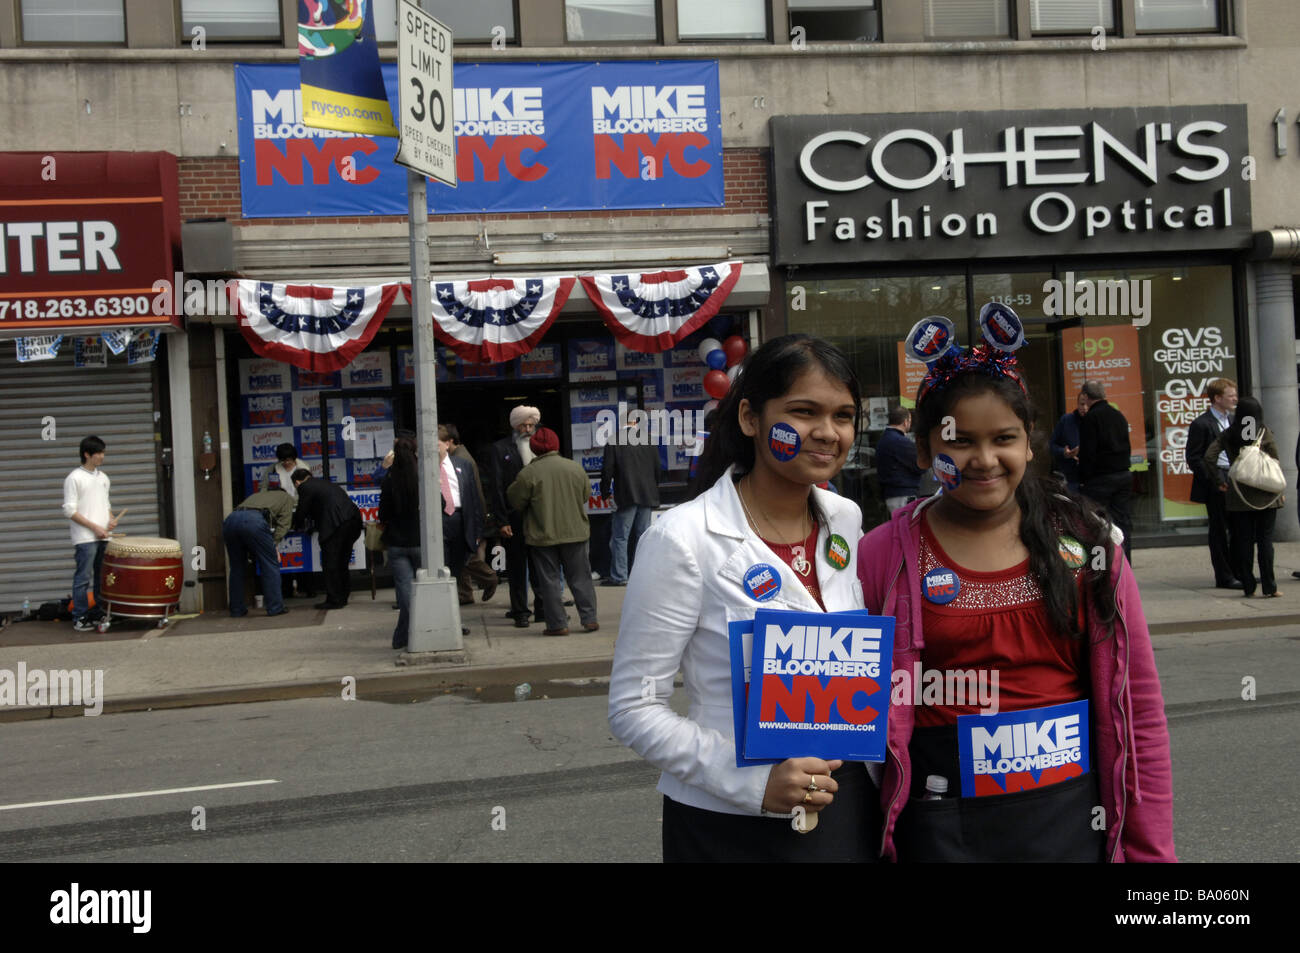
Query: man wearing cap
509, 456
551, 495
255, 528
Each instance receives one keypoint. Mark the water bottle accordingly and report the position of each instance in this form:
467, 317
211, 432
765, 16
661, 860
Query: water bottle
27, 607
207, 442
522, 692
936, 788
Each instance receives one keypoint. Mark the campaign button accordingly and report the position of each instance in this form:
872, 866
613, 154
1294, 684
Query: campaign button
940, 585
762, 582
783, 441
1071, 551
1001, 327
946, 472
838, 552
929, 338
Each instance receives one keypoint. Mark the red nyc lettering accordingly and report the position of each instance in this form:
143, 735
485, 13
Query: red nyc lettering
670, 146
793, 701
320, 156
782, 446
507, 149
369, 513
291, 560
986, 784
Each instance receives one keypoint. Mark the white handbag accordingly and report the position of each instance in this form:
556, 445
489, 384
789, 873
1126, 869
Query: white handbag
1256, 469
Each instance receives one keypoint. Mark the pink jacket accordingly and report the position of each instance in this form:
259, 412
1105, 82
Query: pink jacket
1130, 737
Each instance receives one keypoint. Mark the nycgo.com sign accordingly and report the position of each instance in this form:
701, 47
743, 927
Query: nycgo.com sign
902, 186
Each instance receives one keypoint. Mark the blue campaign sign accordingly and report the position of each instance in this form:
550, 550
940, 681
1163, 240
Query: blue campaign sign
820, 685
1021, 750
741, 639
529, 137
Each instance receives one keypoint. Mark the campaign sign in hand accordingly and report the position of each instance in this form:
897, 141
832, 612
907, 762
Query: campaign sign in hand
1020, 750
741, 636
820, 685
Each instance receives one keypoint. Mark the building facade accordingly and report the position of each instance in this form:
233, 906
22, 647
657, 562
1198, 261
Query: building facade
875, 162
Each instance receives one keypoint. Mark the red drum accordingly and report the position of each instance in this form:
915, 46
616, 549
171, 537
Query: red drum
142, 577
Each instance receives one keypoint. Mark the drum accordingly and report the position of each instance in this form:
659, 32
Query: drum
142, 577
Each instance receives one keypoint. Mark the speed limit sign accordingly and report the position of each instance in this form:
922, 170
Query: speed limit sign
424, 80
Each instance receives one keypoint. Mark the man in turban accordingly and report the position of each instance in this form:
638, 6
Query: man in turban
551, 495
509, 456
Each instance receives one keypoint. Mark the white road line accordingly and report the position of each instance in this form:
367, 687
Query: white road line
118, 797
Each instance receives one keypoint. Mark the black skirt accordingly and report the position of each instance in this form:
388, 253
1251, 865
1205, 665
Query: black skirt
848, 831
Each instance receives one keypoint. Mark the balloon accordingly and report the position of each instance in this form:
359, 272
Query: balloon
707, 345
716, 359
716, 384
732, 371
735, 349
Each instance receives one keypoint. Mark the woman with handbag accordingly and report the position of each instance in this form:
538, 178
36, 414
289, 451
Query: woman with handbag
1254, 487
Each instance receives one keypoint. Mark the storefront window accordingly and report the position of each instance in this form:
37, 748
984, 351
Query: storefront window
1176, 16
966, 19
479, 22
1071, 16
722, 20
836, 21
602, 21
73, 21
239, 20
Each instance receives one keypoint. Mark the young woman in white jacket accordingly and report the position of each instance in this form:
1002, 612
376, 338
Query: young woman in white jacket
786, 425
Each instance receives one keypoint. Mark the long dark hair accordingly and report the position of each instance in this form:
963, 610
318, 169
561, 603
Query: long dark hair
767, 373
405, 473
1047, 509
1248, 408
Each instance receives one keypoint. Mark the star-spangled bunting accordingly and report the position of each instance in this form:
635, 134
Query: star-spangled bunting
652, 312
490, 320
314, 327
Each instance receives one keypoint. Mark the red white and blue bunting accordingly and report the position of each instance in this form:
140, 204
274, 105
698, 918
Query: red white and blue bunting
653, 311
315, 327
490, 320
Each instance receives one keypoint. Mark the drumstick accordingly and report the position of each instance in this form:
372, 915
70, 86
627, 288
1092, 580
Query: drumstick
119, 516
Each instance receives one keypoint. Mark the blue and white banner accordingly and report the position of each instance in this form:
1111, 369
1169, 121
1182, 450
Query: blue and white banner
654, 311
530, 137
490, 320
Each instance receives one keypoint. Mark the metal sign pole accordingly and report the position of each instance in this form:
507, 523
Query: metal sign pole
435, 607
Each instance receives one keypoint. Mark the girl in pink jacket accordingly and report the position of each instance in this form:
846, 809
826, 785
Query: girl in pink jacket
1027, 722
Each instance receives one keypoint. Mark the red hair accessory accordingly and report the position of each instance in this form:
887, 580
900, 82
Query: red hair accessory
981, 359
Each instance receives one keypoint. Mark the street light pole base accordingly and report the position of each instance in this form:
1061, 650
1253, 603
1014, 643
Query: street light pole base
435, 614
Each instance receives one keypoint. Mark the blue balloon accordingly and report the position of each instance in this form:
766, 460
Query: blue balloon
716, 359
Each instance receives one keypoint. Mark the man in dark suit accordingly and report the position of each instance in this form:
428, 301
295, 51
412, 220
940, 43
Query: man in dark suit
509, 455
337, 522
476, 568
1104, 459
1202, 432
463, 519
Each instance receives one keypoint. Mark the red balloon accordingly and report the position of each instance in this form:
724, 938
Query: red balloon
735, 349
716, 384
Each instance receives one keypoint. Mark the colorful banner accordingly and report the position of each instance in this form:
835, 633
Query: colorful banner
338, 67
489, 320
1108, 353
530, 137
314, 327
654, 311
542, 362
1184, 364
44, 347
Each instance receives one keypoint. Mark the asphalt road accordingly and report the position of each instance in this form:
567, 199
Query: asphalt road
454, 779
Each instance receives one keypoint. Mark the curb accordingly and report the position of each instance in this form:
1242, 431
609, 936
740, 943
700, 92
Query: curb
1215, 625
367, 687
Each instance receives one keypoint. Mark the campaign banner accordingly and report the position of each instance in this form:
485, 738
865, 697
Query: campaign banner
1021, 750
542, 362
591, 355
259, 376
338, 69
652, 384
1187, 359
307, 409
369, 369
296, 553
529, 136
1109, 353
369, 408
626, 359
684, 355
591, 460
740, 636
309, 442
465, 371
260, 443
367, 501
596, 503
594, 395
314, 380
685, 383
822, 685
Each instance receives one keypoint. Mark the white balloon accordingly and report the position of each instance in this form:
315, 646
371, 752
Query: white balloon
707, 345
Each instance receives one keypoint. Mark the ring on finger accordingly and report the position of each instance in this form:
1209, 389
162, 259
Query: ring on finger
812, 783
807, 797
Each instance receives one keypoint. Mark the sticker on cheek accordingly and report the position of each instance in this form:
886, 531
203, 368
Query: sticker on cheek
946, 472
783, 441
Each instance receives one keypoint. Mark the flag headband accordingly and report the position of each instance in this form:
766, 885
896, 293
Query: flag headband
933, 342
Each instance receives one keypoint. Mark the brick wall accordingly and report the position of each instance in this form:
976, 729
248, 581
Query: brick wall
210, 187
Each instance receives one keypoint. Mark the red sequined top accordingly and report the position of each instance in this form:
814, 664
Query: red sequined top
786, 552
997, 623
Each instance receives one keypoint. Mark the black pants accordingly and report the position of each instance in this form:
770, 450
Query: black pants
517, 573
1115, 492
553, 566
1222, 558
1253, 530
454, 550
335, 553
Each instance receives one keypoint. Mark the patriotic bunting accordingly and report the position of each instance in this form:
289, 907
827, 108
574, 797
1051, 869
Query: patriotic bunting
315, 327
652, 312
490, 320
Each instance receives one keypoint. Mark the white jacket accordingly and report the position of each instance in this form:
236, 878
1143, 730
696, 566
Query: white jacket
686, 585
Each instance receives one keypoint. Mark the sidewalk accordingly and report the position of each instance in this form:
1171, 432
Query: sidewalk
213, 659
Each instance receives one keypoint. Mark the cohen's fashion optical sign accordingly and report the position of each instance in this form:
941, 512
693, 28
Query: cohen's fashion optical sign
903, 186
